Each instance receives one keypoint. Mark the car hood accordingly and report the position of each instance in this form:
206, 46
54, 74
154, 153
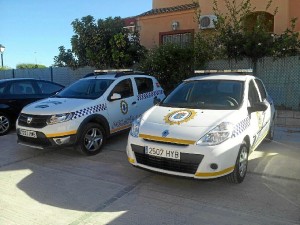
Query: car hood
52, 106
183, 124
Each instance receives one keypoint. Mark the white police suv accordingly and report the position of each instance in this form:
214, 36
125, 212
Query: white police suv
205, 128
88, 111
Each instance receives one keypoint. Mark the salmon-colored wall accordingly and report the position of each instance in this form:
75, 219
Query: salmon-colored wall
295, 12
157, 4
150, 27
281, 19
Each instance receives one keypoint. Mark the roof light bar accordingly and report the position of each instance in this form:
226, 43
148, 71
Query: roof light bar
224, 71
113, 70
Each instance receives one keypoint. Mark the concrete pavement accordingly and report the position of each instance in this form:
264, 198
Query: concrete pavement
53, 187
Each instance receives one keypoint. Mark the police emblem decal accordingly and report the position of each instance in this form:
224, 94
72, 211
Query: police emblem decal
124, 107
180, 116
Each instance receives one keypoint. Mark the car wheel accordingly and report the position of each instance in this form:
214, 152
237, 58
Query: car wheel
270, 135
91, 139
5, 124
240, 169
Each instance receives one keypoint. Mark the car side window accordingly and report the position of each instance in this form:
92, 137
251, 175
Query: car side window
144, 84
262, 89
48, 88
253, 96
124, 88
2, 88
22, 88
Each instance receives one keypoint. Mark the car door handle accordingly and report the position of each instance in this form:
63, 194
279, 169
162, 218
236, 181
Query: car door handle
133, 103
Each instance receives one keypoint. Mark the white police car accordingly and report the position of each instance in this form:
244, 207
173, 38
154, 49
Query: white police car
205, 128
88, 111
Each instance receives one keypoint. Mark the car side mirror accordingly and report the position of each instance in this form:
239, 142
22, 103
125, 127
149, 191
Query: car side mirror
156, 100
259, 106
115, 96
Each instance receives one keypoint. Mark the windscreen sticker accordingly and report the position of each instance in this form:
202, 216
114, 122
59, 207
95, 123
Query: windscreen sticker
180, 116
124, 107
241, 126
150, 94
89, 111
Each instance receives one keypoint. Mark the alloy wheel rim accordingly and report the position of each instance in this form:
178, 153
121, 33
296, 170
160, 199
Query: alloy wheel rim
93, 139
4, 124
243, 161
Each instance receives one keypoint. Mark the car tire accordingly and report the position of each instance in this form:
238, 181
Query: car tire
241, 164
91, 140
270, 135
5, 124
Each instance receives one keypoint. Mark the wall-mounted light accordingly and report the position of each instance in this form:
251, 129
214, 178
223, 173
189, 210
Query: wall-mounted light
175, 25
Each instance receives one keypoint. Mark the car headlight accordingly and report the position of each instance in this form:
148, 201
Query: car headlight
135, 128
59, 118
216, 136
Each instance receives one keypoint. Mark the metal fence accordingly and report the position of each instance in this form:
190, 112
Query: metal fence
281, 77
61, 75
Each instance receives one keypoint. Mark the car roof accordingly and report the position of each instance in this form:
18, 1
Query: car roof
115, 76
236, 77
24, 79
12, 79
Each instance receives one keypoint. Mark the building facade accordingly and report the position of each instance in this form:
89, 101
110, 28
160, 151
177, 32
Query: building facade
176, 21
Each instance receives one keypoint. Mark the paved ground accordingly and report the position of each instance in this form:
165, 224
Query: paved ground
62, 187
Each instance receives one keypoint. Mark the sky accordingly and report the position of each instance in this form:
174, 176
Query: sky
32, 30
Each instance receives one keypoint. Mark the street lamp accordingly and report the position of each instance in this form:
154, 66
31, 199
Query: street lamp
2, 48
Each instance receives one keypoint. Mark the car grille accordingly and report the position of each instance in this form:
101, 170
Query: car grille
38, 121
44, 142
168, 164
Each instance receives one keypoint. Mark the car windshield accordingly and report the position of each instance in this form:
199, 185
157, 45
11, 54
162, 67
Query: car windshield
206, 94
86, 89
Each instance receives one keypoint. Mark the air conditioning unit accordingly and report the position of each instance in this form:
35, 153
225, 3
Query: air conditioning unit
207, 22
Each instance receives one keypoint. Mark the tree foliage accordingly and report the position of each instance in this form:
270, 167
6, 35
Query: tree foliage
5, 68
239, 39
30, 66
169, 63
101, 44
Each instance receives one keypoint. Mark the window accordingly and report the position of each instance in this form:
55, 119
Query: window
262, 89
48, 88
124, 88
253, 95
264, 18
144, 84
2, 88
206, 94
181, 38
86, 89
21, 88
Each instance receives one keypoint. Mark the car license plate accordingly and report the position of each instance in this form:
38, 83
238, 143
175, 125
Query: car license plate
28, 133
159, 152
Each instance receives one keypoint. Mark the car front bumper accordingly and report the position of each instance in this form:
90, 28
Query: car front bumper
199, 162
57, 135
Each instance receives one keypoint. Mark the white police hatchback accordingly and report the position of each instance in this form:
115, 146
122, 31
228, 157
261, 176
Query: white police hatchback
205, 128
88, 111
